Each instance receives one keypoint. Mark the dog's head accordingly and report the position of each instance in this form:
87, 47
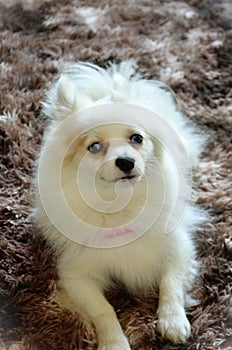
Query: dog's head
108, 151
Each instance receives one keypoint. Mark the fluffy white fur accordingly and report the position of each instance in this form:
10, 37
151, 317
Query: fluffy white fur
155, 260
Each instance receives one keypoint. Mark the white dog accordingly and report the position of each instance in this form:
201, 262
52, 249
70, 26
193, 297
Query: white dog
112, 162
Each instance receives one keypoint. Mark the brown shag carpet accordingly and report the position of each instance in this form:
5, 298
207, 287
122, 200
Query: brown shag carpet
187, 44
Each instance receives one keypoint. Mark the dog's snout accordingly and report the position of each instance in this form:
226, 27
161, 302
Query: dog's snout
126, 164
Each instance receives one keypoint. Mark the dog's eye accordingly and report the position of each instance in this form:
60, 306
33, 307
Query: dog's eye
95, 147
136, 138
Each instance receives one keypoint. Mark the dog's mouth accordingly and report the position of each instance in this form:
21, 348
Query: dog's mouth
127, 177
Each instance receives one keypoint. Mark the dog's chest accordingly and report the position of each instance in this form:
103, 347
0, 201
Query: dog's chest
137, 265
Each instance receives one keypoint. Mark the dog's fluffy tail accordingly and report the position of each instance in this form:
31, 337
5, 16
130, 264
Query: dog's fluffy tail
83, 85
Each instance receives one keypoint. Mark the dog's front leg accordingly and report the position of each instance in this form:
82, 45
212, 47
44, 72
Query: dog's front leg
172, 321
88, 297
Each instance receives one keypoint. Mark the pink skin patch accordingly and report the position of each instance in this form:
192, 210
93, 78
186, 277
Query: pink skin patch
118, 233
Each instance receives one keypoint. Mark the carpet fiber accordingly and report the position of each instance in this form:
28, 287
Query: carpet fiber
187, 44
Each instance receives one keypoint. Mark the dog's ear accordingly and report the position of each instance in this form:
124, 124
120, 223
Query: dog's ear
64, 99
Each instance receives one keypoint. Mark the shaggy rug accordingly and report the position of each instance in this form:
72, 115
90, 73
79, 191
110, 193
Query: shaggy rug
187, 44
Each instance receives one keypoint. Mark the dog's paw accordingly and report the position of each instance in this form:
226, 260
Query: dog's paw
115, 344
174, 326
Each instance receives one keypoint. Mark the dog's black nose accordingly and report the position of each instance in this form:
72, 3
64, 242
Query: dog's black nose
126, 164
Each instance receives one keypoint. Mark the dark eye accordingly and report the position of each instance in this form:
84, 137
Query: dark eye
136, 138
95, 147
